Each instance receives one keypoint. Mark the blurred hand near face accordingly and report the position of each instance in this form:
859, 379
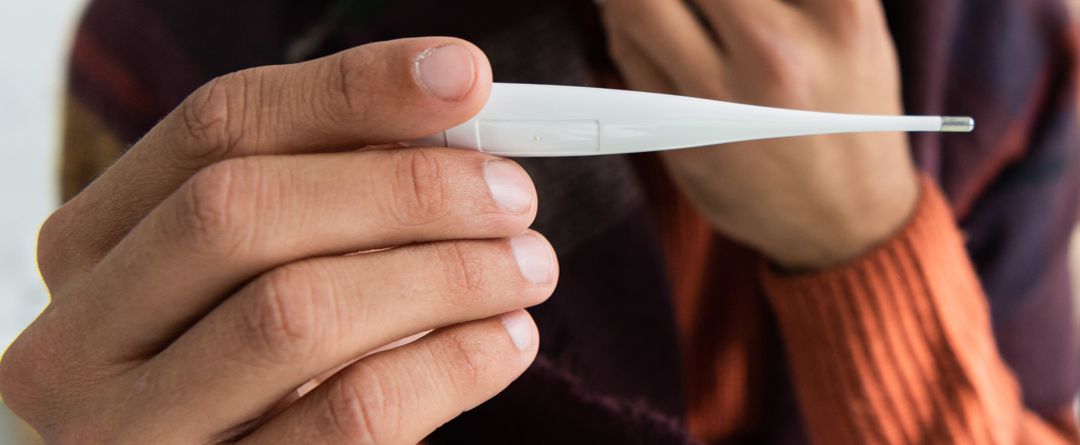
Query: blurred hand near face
805, 203
208, 280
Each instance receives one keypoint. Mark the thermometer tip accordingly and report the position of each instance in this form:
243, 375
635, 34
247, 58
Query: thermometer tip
954, 124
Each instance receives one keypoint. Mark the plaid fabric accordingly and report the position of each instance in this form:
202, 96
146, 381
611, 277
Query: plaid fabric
608, 366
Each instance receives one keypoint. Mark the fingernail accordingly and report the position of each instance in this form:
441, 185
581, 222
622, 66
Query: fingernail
446, 72
510, 186
534, 258
517, 325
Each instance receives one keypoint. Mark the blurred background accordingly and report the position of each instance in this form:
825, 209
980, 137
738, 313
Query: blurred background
34, 40
34, 37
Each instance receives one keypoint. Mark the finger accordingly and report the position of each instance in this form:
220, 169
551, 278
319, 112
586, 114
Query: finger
308, 386
746, 26
639, 72
669, 33
240, 218
382, 92
296, 322
401, 396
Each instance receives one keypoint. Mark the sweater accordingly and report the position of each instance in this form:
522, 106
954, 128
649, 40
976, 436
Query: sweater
958, 329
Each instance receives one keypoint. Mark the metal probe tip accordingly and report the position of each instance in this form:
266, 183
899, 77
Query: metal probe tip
956, 124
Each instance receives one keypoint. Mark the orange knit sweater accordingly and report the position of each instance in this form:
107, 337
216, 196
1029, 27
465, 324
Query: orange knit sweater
895, 347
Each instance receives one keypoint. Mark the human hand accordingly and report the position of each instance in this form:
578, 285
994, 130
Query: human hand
213, 270
805, 203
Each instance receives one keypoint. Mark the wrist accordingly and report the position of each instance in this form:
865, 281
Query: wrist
847, 230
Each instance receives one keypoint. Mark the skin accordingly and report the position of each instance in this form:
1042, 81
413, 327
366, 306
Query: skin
806, 203
245, 274
201, 285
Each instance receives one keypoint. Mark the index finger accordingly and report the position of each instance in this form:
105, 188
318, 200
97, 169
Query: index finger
668, 32
745, 26
377, 93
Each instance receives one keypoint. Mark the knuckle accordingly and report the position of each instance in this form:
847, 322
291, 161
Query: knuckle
850, 13
213, 116
45, 385
24, 377
84, 428
217, 208
361, 408
70, 434
52, 248
786, 75
16, 383
348, 80
463, 272
462, 358
281, 316
419, 189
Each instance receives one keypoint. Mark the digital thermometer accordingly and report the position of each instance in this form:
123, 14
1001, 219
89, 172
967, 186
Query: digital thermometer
522, 120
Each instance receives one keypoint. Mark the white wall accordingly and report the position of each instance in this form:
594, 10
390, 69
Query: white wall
34, 40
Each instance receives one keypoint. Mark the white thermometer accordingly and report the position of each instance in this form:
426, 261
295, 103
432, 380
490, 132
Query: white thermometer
548, 120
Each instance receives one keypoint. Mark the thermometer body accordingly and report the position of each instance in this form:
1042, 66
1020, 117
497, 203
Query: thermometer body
522, 120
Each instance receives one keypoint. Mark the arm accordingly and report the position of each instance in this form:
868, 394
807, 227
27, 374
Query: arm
900, 350
897, 347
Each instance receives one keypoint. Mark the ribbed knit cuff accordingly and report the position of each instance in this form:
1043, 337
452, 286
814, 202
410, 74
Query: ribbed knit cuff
896, 347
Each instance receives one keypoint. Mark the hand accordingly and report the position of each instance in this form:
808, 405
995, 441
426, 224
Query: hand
207, 276
809, 202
